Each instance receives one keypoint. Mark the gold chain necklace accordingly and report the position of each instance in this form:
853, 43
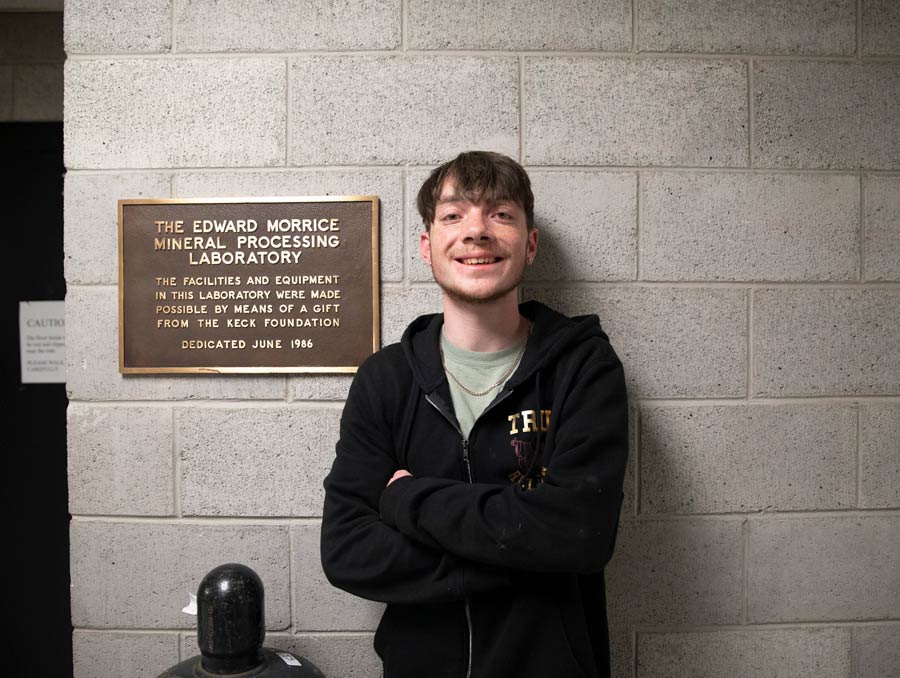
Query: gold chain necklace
506, 375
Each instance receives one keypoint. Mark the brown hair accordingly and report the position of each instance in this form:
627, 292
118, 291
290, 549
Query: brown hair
480, 176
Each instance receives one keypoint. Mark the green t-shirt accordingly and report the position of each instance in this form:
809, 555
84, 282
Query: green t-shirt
478, 371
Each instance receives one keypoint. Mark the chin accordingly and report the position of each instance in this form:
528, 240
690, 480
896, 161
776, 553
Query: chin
486, 297
491, 289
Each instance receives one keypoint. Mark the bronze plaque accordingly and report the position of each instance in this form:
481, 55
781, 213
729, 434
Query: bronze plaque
248, 284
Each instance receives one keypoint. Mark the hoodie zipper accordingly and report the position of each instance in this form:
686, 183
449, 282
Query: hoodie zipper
465, 448
465, 454
468, 465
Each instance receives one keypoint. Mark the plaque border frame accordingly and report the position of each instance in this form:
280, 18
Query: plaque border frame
376, 280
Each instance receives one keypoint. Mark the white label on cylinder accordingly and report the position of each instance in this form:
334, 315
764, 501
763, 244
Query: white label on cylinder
289, 659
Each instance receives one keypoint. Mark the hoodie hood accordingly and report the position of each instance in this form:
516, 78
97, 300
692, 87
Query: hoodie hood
552, 334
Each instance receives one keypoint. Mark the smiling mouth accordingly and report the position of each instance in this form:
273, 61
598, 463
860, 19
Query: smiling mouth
473, 261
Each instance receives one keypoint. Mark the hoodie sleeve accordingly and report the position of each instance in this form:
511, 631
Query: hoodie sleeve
566, 524
360, 553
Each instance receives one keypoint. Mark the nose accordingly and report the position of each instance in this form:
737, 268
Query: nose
478, 226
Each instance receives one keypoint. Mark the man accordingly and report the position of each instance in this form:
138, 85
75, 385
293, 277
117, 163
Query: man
478, 476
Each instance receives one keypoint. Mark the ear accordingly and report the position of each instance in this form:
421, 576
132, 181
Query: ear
531, 246
425, 247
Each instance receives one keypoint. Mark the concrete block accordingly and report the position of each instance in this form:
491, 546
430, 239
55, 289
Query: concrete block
425, 109
38, 92
416, 269
92, 361
282, 26
629, 487
520, 25
401, 305
877, 651
386, 184
175, 113
775, 226
31, 37
139, 575
6, 93
588, 226
822, 27
826, 342
879, 455
611, 111
800, 653
344, 655
823, 568
100, 654
880, 27
317, 605
675, 572
319, 387
255, 461
98, 26
747, 458
674, 342
91, 221
121, 460
881, 246
34, 5
187, 643
828, 115
621, 651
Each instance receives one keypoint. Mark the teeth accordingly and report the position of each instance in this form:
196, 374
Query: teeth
479, 260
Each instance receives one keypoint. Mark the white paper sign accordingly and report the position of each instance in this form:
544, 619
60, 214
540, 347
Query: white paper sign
42, 342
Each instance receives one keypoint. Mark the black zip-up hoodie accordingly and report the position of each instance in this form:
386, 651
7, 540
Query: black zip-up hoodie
491, 555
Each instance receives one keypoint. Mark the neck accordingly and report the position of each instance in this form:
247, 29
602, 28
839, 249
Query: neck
492, 326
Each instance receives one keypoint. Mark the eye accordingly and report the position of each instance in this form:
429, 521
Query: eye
450, 216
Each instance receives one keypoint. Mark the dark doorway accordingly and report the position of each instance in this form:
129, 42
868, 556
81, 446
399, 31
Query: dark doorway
35, 494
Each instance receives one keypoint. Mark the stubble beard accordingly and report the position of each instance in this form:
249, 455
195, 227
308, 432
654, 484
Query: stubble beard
463, 298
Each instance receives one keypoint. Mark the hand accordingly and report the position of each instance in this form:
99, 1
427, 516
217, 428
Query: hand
399, 474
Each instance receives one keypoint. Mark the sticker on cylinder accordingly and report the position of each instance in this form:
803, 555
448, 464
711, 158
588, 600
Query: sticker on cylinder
289, 659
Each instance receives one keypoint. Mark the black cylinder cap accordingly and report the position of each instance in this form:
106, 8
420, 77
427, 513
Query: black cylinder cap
231, 624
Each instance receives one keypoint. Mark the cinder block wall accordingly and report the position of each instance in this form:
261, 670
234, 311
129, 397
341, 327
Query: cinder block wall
31, 62
718, 179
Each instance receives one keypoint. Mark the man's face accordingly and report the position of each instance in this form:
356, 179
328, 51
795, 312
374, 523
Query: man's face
477, 251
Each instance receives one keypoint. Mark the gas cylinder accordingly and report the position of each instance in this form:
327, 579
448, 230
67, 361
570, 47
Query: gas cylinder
231, 627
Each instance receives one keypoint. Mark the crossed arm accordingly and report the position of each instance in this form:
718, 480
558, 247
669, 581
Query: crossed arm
390, 536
